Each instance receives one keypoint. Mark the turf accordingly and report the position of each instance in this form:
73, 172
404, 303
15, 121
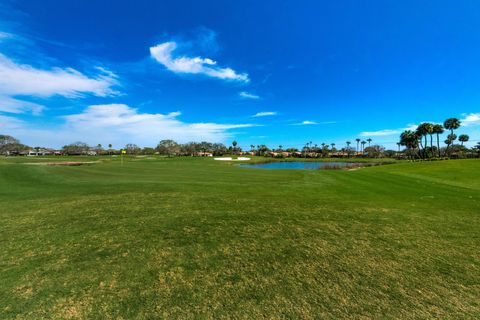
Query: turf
195, 238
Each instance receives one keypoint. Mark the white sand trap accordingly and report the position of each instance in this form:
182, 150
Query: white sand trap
230, 159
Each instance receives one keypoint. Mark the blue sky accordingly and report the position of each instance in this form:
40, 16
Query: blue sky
260, 72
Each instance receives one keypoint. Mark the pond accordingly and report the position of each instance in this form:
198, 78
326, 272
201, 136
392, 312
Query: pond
308, 165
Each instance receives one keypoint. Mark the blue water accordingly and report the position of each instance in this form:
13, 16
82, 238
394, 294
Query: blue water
301, 165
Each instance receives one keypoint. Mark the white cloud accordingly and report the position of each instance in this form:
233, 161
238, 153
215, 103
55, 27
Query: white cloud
120, 124
5, 35
163, 53
247, 95
470, 119
22, 79
10, 124
11, 105
388, 132
308, 122
381, 133
265, 114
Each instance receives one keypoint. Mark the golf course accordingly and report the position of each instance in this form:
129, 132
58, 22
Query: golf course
192, 238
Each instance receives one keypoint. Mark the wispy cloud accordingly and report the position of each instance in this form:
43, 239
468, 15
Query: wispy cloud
11, 105
22, 79
120, 124
308, 122
470, 119
5, 35
305, 123
27, 81
247, 95
265, 114
164, 54
387, 132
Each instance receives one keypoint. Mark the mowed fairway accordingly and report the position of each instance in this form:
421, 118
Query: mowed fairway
194, 238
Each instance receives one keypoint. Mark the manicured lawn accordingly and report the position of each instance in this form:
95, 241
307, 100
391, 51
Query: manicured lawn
197, 238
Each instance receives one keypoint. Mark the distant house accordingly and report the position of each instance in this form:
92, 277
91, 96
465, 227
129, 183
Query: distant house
204, 154
339, 154
39, 152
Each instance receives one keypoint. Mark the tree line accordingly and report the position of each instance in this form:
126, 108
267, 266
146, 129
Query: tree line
419, 143
422, 143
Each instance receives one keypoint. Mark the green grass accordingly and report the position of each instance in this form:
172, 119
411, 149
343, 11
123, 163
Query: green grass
197, 238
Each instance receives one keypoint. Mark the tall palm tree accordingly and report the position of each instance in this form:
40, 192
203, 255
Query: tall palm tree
451, 124
369, 140
423, 130
409, 139
363, 145
358, 141
348, 148
438, 130
280, 148
429, 130
463, 138
399, 144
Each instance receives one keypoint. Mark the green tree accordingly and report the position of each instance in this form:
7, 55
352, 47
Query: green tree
363, 145
76, 148
410, 140
168, 147
9, 145
463, 138
348, 148
451, 124
369, 140
358, 142
438, 130
132, 148
234, 146
423, 131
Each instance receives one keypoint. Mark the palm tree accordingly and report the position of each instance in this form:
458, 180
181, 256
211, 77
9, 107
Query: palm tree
333, 145
429, 130
463, 138
423, 130
451, 124
252, 147
363, 145
358, 141
399, 144
409, 139
348, 148
234, 144
280, 148
369, 140
438, 130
